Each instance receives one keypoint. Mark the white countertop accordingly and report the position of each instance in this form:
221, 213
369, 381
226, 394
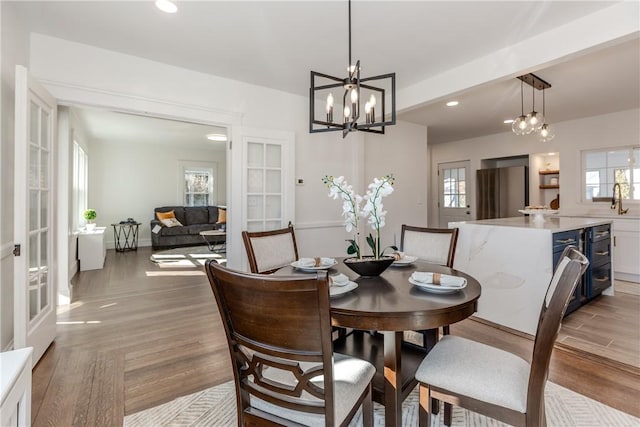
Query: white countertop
552, 223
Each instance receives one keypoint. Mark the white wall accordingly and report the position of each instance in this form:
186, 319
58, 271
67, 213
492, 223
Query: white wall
128, 179
611, 130
15, 50
403, 152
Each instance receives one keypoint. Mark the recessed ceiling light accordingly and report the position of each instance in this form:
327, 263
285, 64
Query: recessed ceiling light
508, 121
452, 103
551, 154
217, 137
168, 6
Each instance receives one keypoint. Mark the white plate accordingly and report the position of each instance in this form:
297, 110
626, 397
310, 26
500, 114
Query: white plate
405, 260
295, 264
538, 211
437, 289
334, 290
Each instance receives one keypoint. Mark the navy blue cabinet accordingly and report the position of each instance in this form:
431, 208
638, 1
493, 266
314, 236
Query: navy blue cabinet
595, 243
598, 250
561, 241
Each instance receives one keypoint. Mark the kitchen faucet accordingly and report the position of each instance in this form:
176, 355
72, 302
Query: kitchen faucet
618, 202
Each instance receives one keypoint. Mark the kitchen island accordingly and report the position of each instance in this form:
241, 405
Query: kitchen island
513, 259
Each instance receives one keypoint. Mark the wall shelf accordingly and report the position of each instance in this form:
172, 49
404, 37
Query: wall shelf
549, 179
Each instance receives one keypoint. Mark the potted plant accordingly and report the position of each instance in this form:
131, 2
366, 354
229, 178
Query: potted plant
90, 215
373, 210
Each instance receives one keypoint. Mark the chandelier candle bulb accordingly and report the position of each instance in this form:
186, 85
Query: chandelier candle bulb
330, 107
354, 103
372, 102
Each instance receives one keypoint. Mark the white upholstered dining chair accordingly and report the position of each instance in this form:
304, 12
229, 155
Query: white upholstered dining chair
284, 377
434, 245
268, 251
494, 382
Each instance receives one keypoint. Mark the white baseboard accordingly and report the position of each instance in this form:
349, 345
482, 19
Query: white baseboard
635, 278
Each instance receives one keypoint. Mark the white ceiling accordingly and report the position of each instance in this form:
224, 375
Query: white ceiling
108, 127
276, 44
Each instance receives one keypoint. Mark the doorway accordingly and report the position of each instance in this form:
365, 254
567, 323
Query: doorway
454, 197
137, 163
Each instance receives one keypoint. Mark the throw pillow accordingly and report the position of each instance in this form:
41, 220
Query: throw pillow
222, 216
170, 222
165, 215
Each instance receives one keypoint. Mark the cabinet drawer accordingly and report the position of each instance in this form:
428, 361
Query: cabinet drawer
600, 232
600, 280
560, 240
600, 252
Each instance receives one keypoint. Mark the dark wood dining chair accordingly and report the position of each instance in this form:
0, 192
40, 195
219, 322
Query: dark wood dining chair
278, 331
434, 245
268, 251
494, 382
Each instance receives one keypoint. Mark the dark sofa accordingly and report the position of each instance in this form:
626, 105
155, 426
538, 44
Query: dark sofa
194, 219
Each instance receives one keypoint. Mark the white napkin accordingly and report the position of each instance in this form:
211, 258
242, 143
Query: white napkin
311, 262
445, 280
338, 280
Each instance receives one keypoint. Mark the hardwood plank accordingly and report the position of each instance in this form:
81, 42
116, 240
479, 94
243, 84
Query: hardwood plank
63, 402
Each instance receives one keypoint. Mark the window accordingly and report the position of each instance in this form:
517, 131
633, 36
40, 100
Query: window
198, 187
454, 190
80, 184
604, 168
198, 183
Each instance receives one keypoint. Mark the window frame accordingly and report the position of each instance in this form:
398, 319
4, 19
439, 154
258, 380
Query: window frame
80, 185
630, 167
211, 168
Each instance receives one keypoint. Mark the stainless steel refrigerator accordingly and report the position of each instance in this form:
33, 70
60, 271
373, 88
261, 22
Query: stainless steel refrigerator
502, 191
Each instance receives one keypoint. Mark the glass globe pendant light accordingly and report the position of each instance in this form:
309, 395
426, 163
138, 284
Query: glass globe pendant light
519, 125
546, 133
534, 119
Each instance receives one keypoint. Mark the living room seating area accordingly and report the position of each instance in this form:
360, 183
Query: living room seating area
176, 226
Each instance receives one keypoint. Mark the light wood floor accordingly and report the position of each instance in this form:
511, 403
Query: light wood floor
138, 335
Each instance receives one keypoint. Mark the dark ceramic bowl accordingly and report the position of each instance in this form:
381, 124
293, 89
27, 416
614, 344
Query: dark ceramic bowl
368, 266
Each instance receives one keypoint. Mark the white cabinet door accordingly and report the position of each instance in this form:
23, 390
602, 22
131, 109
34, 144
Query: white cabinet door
15, 387
626, 249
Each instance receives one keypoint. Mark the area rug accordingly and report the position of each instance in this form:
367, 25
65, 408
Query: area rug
192, 256
216, 406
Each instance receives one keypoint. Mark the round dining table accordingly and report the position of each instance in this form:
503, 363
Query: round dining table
379, 309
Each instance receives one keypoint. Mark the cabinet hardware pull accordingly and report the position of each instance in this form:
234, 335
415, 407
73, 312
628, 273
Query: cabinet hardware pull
601, 279
566, 241
602, 253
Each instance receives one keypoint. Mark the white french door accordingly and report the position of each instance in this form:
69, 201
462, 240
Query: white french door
268, 190
34, 231
454, 195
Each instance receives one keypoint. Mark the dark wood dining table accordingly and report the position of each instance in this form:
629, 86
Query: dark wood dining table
380, 309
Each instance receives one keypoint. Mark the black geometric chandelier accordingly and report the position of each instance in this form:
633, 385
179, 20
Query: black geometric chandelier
376, 93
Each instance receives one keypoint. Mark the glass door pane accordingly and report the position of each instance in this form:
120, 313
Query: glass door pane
39, 214
264, 189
